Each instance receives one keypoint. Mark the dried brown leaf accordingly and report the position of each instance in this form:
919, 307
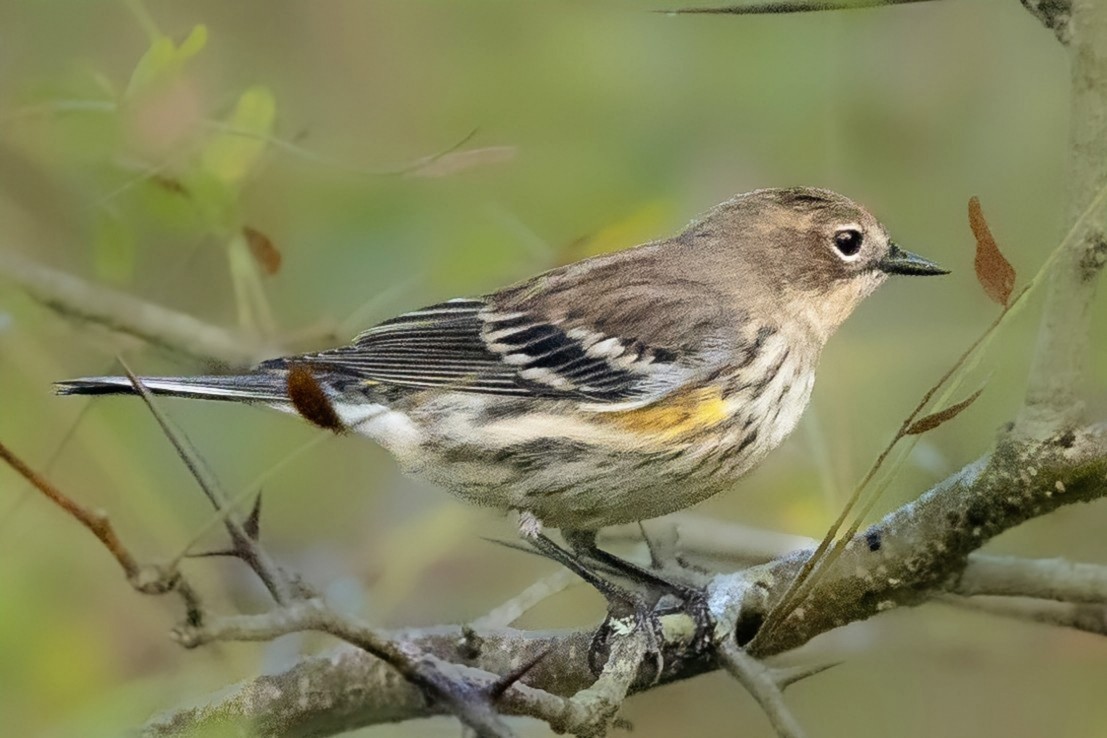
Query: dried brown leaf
995, 273
932, 421
458, 161
265, 253
310, 400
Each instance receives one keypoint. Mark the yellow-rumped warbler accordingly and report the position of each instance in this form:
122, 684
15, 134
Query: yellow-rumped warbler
611, 390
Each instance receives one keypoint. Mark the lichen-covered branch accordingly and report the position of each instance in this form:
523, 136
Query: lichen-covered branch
920, 551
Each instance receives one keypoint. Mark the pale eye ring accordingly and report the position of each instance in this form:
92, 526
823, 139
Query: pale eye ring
848, 243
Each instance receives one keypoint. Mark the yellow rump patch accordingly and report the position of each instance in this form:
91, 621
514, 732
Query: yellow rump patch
683, 414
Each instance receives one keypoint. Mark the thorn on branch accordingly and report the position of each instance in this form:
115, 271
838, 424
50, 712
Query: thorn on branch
785, 678
252, 525
496, 690
281, 586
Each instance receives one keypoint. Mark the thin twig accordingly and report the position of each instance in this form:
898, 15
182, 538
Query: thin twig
96, 521
784, 6
520, 604
760, 683
155, 324
1047, 579
145, 578
275, 579
1089, 618
247, 492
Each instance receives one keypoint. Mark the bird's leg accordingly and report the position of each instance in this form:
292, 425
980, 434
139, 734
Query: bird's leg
583, 543
627, 610
616, 596
530, 530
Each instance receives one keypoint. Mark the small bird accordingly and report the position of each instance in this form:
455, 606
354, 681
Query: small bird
611, 390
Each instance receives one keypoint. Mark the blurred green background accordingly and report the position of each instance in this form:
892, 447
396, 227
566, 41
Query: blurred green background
597, 125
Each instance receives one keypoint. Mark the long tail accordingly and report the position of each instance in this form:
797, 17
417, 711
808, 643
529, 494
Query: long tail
264, 387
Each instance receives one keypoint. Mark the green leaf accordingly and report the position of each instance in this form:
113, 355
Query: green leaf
164, 59
156, 63
193, 44
234, 151
114, 249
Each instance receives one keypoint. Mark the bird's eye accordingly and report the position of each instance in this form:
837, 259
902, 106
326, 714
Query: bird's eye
848, 242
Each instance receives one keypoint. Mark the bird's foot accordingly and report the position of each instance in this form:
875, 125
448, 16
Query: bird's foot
640, 619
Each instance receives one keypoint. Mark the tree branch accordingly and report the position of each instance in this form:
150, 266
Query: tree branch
759, 682
160, 326
1088, 618
1046, 579
916, 552
1060, 360
1009, 576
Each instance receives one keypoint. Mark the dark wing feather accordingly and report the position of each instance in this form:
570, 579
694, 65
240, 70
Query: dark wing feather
632, 344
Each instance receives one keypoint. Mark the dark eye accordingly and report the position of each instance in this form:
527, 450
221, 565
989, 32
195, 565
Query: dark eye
848, 242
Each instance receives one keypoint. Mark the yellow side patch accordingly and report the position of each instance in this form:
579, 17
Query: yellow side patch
683, 414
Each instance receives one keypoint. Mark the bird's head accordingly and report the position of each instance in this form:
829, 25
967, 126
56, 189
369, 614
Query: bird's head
811, 252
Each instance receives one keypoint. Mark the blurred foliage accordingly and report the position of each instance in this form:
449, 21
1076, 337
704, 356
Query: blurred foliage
166, 148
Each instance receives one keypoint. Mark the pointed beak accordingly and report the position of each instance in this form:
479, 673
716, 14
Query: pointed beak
898, 261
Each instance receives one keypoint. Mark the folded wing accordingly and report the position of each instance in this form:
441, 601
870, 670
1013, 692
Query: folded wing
633, 345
